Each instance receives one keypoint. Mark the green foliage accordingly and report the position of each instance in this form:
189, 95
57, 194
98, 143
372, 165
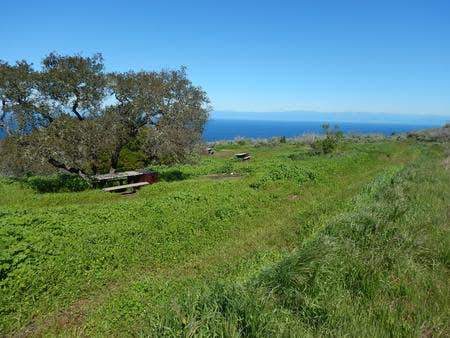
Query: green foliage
56, 183
324, 146
283, 171
131, 159
197, 256
63, 116
173, 175
328, 144
341, 280
224, 311
228, 167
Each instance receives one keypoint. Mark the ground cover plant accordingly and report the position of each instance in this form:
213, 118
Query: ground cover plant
354, 242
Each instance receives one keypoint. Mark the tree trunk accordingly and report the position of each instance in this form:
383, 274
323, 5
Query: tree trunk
71, 170
94, 168
115, 158
75, 111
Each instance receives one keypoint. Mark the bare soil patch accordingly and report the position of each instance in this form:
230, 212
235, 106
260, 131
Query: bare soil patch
223, 176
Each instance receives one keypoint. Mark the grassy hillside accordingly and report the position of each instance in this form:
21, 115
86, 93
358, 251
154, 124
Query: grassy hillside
356, 242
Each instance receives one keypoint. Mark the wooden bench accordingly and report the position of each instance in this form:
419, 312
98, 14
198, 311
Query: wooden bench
243, 156
121, 188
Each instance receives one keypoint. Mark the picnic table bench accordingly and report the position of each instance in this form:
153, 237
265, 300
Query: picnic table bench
132, 180
243, 156
124, 187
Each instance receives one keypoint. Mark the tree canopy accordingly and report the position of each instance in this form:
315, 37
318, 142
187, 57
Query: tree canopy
71, 115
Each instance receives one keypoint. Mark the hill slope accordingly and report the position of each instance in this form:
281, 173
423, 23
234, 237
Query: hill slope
354, 242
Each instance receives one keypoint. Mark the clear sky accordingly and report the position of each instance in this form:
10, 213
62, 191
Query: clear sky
375, 56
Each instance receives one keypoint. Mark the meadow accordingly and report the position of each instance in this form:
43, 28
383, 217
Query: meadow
355, 242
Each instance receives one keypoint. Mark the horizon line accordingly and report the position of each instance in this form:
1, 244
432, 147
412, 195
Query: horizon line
328, 112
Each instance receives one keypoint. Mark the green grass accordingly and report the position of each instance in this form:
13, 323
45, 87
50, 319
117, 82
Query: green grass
354, 242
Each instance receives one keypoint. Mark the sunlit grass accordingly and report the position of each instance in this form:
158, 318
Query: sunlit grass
161, 261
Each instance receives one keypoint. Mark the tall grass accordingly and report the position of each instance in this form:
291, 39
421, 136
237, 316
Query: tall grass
381, 269
195, 256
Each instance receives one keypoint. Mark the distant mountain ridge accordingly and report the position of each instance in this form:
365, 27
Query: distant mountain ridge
333, 117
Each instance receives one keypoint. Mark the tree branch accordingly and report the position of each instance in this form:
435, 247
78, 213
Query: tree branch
74, 110
71, 170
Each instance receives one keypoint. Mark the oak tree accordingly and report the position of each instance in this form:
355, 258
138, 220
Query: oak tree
70, 113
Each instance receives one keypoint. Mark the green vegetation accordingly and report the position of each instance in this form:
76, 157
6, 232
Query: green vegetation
56, 183
355, 242
329, 143
71, 115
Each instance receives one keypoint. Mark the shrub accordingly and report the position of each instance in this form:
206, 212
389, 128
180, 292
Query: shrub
324, 146
56, 183
329, 143
131, 159
227, 167
432, 135
298, 156
307, 138
173, 175
240, 141
266, 142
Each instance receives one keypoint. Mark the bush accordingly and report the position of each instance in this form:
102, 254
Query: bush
329, 143
131, 159
56, 183
432, 135
173, 175
324, 146
227, 167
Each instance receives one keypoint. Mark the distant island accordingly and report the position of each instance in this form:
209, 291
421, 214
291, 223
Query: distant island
357, 117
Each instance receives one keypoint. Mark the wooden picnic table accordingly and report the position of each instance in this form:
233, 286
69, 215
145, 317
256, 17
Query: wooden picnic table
243, 156
127, 179
125, 175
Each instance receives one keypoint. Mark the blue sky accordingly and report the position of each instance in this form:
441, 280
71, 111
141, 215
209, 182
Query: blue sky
371, 56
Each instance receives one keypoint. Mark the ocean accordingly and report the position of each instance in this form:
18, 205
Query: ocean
227, 129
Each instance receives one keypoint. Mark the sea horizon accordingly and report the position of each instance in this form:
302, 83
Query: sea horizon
218, 129
221, 129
